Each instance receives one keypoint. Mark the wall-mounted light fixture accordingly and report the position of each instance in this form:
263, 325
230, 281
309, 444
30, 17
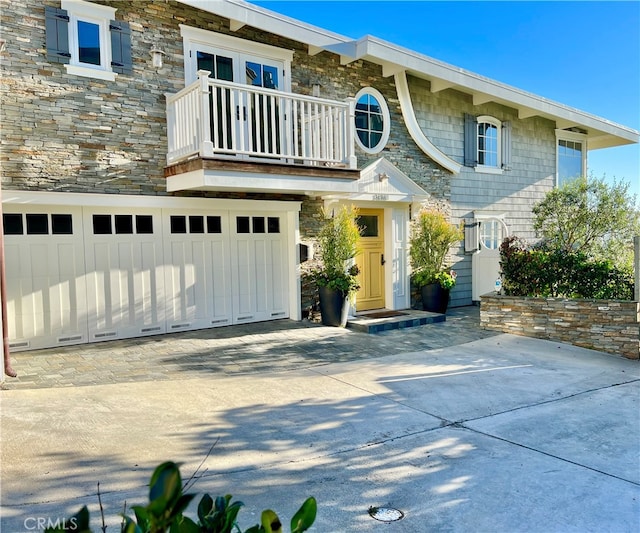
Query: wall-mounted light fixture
156, 57
383, 176
315, 90
3, 45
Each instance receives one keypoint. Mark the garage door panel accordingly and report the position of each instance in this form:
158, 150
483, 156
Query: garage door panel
196, 263
244, 282
147, 280
262, 282
201, 286
276, 277
125, 280
221, 283
259, 267
46, 301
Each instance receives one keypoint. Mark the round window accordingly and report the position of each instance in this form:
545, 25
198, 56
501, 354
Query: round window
372, 120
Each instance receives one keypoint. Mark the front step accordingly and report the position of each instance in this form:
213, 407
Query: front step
376, 321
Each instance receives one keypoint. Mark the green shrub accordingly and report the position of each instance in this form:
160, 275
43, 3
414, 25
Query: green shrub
167, 502
339, 241
590, 217
432, 235
541, 272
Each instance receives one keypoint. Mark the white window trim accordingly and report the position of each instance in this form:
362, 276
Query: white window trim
564, 135
386, 121
194, 36
488, 216
96, 14
488, 169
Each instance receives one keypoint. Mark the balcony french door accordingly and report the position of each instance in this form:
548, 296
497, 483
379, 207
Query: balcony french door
242, 122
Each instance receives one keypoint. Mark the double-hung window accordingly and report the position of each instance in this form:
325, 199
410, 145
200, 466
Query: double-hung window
87, 39
487, 144
571, 158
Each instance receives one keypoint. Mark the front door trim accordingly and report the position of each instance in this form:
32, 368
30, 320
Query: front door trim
371, 262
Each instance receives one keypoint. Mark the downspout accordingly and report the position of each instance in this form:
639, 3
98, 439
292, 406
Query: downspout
8, 370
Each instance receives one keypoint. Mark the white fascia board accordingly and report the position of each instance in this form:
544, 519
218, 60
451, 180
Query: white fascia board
383, 52
263, 19
223, 180
76, 199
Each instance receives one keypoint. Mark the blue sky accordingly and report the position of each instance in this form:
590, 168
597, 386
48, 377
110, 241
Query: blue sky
582, 54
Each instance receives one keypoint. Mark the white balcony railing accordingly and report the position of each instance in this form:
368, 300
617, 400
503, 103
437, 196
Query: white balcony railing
214, 118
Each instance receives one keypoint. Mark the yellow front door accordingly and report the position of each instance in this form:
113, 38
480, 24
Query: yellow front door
371, 260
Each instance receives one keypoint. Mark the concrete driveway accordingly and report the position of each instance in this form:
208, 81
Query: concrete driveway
502, 434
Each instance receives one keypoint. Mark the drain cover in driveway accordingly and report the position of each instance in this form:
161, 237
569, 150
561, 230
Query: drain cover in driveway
386, 514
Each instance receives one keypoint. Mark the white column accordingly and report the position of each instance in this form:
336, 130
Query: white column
206, 146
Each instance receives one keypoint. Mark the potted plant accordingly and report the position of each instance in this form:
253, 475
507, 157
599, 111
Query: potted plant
432, 235
337, 280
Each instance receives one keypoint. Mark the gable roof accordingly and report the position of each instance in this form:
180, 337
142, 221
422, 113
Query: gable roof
601, 132
382, 181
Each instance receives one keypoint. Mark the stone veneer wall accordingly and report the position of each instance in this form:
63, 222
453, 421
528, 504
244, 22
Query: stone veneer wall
611, 326
67, 133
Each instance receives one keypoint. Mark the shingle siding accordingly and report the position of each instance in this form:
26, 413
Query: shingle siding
514, 192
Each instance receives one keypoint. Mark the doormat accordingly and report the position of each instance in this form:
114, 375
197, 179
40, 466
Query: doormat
382, 314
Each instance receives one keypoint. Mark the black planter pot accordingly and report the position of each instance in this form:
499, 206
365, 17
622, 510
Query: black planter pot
435, 298
331, 302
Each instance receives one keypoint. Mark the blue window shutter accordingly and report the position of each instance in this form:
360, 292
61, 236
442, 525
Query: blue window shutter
470, 140
471, 235
57, 28
121, 61
506, 146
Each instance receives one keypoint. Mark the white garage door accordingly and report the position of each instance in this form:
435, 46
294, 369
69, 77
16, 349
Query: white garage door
258, 267
44, 261
125, 286
197, 269
91, 274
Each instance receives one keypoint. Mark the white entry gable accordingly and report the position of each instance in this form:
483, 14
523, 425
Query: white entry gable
382, 181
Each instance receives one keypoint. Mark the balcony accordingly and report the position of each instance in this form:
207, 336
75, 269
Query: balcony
230, 127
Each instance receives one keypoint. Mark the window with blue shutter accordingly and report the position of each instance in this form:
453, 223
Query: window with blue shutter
487, 144
506, 146
57, 27
470, 140
87, 39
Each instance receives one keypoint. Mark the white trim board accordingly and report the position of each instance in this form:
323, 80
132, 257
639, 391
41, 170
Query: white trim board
418, 136
124, 200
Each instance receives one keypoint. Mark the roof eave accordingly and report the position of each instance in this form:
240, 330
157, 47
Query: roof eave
600, 131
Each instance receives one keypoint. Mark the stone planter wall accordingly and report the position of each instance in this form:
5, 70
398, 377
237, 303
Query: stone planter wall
611, 326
